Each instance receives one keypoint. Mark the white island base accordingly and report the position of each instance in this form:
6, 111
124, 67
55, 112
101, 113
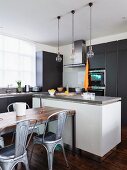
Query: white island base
98, 127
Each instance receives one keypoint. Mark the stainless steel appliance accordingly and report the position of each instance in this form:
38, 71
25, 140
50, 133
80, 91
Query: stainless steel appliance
27, 88
79, 54
36, 89
97, 81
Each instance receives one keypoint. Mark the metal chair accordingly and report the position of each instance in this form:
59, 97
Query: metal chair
36, 129
50, 140
1, 142
16, 153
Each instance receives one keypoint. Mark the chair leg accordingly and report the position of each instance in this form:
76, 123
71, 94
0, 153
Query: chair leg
13, 136
64, 154
26, 163
7, 166
50, 154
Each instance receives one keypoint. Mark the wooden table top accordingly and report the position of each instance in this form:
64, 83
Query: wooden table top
9, 118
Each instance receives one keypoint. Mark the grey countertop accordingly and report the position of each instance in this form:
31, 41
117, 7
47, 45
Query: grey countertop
99, 100
5, 95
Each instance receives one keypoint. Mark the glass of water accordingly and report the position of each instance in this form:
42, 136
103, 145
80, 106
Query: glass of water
92, 96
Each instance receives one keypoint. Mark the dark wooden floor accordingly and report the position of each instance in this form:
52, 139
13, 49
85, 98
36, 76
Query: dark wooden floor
116, 161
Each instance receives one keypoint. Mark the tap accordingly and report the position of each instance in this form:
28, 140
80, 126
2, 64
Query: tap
8, 90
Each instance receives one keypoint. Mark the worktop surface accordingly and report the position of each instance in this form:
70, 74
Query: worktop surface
101, 100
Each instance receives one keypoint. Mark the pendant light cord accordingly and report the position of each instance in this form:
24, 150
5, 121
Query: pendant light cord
73, 12
90, 5
58, 32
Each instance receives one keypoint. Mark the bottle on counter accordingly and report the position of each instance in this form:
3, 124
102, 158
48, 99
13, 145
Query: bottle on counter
67, 88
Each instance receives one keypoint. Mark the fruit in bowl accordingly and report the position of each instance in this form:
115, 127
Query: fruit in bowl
51, 92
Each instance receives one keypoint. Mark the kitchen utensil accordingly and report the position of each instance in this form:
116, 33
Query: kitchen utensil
78, 90
27, 88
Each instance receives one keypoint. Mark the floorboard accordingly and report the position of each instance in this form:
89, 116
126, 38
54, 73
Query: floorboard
116, 161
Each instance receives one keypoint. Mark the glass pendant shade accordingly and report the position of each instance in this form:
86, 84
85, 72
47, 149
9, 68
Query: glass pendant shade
58, 58
90, 53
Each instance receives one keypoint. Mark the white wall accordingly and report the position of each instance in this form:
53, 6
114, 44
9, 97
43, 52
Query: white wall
74, 77
42, 47
110, 38
71, 76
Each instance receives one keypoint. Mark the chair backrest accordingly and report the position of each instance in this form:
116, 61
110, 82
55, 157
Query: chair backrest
22, 131
60, 119
10, 107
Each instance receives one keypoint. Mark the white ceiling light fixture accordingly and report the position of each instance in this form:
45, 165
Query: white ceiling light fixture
90, 53
58, 58
72, 54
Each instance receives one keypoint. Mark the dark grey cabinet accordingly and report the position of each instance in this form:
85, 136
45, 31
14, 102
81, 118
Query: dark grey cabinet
3, 105
124, 111
49, 73
111, 69
4, 102
113, 57
122, 68
122, 77
98, 61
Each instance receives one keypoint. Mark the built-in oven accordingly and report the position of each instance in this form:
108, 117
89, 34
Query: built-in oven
97, 81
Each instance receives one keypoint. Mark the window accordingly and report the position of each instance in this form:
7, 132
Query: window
17, 62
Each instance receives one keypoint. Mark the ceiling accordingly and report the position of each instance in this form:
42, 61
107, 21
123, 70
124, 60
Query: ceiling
36, 19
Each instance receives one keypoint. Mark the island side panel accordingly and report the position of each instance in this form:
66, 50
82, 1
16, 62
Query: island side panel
111, 126
88, 124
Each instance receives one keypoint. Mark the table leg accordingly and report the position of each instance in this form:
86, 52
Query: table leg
74, 133
40, 102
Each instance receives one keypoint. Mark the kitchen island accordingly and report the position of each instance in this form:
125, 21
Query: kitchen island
98, 122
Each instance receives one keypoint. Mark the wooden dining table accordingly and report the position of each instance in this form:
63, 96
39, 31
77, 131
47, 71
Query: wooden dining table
40, 114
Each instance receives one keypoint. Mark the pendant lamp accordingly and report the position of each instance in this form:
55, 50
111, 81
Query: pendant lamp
58, 58
90, 53
72, 53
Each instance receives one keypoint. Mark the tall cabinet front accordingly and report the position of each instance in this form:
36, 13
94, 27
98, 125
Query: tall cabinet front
49, 73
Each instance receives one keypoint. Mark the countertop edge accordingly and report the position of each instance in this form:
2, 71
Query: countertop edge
92, 102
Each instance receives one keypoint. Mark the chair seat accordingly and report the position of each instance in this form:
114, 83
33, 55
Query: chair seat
7, 152
49, 137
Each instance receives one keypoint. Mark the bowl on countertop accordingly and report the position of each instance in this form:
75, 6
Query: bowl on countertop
51, 92
60, 89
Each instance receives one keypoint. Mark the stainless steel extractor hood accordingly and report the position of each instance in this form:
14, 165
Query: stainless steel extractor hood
79, 54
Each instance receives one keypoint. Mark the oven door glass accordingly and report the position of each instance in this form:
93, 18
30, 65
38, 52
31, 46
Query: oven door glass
96, 79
